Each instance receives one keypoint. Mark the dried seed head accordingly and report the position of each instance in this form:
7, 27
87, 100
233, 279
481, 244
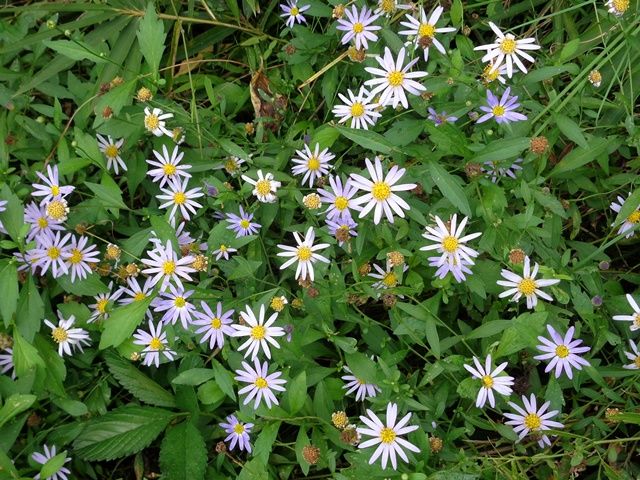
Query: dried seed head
81, 228
350, 435
466, 30
249, 129
5, 341
34, 420
342, 234
311, 454
200, 263
135, 357
610, 413
312, 201
117, 81
339, 419
221, 447
538, 145
356, 55
338, 11
297, 303
107, 112
595, 78
113, 252
144, 95
516, 256
277, 303
425, 42
395, 259
289, 49
389, 300
435, 443
103, 269
313, 292
473, 170
426, 96
364, 269
132, 270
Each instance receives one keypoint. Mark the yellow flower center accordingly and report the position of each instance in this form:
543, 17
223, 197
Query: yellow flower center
449, 244
636, 319
261, 383
634, 217
380, 191
230, 165
244, 223
358, 27
139, 296
43, 222
387, 435
101, 305
59, 335
223, 248
263, 187
341, 203
498, 110
111, 151
487, 381
637, 361
313, 164
53, 253
357, 109
562, 351
180, 302
508, 46
395, 78
490, 74
76, 256
57, 210
179, 198
527, 286
169, 267
426, 30
390, 280
216, 323
55, 190
151, 121
304, 254
388, 6
532, 421
155, 344
277, 304
169, 169
258, 332
238, 428
294, 11
620, 6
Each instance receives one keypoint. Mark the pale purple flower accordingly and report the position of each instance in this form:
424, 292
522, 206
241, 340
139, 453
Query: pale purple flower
293, 12
238, 433
304, 253
526, 285
103, 301
185, 240
340, 200
214, 325
50, 254
111, 150
502, 109
458, 270
223, 252
342, 227
259, 383
633, 318
49, 453
425, 28
178, 197
440, 118
51, 188
631, 221
242, 224
358, 27
564, 353
386, 278
78, 255
41, 223
491, 380
450, 242
532, 419
154, 342
634, 357
168, 166
259, 331
136, 293
175, 303
361, 109
496, 172
6, 362
363, 389
166, 266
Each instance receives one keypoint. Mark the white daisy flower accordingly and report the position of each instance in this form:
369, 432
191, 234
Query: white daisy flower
51, 188
340, 200
564, 353
103, 301
532, 419
168, 166
490, 381
232, 165
264, 188
178, 197
450, 243
66, 337
394, 79
386, 279
506, 48
214, 326
634, 357
49, 453
363, 390
387, 437
526, 285
175, 303
111, 151
424, 31
630, 222
50, 253
154, 122
491, 73
617, 7
165, 265
304, 254
154, 343
312, 164
360, 109
260, 333
78, 256
260, 385
380, 191
223, 251
389, 7
358, 27
293, 12
634, 319
135, 292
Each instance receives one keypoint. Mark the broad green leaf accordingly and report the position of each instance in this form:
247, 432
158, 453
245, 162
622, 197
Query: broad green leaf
121, 432
502, 150
232, 149
361, 366
367, 139
194, 376
489, 329
581, 156
9, 289
13, 216
633, 418
6, 465
183, 454
224, 379
90, 286
30, 310
123, 322
571, 130
137, 383
522, 334
53, 465
264, 443
110, 196
450, 187
14, 405
25, 356
87, 147
151, 38
163, 231
297, 392
456, 13
631, 204
76, 50
302, 440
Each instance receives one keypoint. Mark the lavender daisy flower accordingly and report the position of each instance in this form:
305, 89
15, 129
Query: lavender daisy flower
135, 292
458, 270
6, 362
51, 188
501, 109
175, 304
154, 343
100, 308
363, 389
42, 458
496, 172
340, 200
564, 353
293, 12
186, 241
223, 251
358, 27
78, 256
440, 118
214, 326
168, 167
342, 229
41, 223
242, 224
165, 266
50, 254
238, 433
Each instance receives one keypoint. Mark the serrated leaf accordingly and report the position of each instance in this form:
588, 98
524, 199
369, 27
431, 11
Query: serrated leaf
264, 443
121, 432
92, 285
522, 334
449, 187
13, 216
137, 383
297, 392
194, 376
14, 405
183, 454
123, 322
75, 50
151, 38
224, 379
367, 139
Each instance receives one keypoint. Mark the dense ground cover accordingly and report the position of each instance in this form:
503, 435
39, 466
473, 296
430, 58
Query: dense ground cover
258, 240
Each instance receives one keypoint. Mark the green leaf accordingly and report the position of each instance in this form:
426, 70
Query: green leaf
30, 310
6, 465
14, 405
25, 356
75, 50
264, 444
9, 289
297, 392
502, 150
361, 366
137, 383
121, 432
489, 329
90, 286
123, 322
581, 156
571, 130
367, 139
233, 149
183, 454
163, 231
87, 147
456, 13
53, 465
633, 418
13, 216
450, 187
223, 378
195, 376
522, 334
109, 195
151, 38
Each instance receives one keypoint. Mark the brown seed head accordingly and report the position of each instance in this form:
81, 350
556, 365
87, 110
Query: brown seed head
313, 292
5, 341
338, 11
34, 420
107, 112
395, 259
117, 81
312, 201
249, 129
200, 263
113, 252
297, 303
356, 55
144, 95
103, 269
538, 145
389, 300
311, 454
516, 256
364, 269
289, 49
435, 443
350, 435
221, 447
473, 170
135, 357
